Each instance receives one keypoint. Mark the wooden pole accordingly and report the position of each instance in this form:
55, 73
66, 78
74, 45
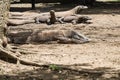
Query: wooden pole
33, 4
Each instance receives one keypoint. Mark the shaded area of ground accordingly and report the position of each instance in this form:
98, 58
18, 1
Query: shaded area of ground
98, 8
47, 74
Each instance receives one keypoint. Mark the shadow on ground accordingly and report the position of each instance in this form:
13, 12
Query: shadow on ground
98, 8
101, 73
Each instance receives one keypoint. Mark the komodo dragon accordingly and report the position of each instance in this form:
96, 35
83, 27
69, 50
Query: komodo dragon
73, 11
74, 19
49, 19
62, 36
38, 36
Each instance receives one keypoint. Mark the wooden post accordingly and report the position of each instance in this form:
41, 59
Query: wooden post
33, 4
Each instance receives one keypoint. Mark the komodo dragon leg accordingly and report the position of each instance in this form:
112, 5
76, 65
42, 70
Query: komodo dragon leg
78, 41
63, 39
70, 40
74, 22
60, 20
37, 21
48, 22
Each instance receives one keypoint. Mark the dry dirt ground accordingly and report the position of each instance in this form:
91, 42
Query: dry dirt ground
96, 60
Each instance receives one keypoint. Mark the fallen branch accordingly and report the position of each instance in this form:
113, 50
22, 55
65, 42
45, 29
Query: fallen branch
22, 51
16, 13
18, 22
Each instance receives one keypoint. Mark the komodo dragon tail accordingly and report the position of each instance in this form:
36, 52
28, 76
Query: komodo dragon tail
15, 22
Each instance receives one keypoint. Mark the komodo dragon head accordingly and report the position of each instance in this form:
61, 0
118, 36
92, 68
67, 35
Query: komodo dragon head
79, 8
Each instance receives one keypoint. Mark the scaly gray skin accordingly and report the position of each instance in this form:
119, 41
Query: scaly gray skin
32, 16
73, 11
60, 36
18, 37
75, 19
42, 19
45, 19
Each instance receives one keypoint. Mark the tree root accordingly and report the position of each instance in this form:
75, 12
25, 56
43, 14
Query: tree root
6, 53
8, 56
22, 51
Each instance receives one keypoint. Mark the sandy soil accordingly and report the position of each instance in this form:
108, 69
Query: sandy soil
102, 54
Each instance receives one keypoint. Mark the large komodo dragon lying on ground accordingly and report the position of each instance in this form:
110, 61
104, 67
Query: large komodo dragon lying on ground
38, 36
73, 11
74, 19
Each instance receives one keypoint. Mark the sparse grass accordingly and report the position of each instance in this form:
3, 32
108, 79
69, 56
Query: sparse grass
54, 67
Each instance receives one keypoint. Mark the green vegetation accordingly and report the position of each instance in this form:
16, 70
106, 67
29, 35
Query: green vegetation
54, 67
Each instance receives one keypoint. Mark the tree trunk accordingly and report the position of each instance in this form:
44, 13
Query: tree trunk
4, 8
6, 53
